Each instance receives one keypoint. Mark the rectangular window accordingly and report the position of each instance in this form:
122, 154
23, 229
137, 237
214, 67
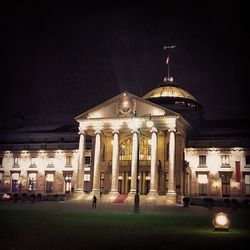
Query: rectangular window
87, 159
1, 160
68, 160
225, 160
32, 182
102, 180
16, 160
202, 181
49, 183
247, 183
247, 159
202, 160
51, 162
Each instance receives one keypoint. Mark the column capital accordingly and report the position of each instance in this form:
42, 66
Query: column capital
115, 131
98, 131
81, 131
134, 131
172, 128
154, 130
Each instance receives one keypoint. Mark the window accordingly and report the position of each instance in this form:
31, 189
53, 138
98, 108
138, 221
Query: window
16, 160
202, 160
87, 159
102, 180
144, 149
49, 183
1, 160
202, 181
68, 160
225, 160
51, 161
247, 183
247, 160
32, 182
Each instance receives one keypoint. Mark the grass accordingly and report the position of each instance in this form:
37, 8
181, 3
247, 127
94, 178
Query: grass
26, 227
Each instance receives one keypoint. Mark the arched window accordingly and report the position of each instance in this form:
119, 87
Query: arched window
144, 149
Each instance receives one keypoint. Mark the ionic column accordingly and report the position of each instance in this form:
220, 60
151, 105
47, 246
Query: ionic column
134, 162
171, 194
153, 168
97, 163
115, 162
81, 161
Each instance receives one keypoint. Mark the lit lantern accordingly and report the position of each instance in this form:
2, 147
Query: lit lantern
221, 222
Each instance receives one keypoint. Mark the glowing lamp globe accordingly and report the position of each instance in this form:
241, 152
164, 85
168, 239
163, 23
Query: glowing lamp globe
221, 222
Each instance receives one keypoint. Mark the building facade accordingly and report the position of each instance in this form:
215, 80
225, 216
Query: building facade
157, 145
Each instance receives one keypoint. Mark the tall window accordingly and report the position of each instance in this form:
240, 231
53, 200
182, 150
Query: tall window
69, 160
247, 159
1, 161
202, 181
225, 160
32, 182
87, 159
16, 160
144, 149
49, 183
202, 160
247, 183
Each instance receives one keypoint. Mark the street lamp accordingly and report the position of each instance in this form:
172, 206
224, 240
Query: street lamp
136, 124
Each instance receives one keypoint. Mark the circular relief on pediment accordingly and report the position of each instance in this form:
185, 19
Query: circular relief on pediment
126, 106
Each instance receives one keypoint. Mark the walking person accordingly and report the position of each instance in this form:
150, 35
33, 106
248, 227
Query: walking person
94, 202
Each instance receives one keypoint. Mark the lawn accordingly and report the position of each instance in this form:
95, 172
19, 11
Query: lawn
59, 227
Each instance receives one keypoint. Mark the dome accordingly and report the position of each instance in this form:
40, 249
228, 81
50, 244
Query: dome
169, 90
171, 96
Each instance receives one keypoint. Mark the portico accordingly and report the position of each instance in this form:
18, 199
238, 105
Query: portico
116, 143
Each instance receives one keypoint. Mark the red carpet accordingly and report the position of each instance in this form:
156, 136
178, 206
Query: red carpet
121, 198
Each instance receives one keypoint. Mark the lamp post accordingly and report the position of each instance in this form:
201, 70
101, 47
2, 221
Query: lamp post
136, 124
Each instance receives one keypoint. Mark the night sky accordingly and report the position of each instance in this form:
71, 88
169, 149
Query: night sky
61, 59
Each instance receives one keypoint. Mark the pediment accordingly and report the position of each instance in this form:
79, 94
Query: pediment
124, 105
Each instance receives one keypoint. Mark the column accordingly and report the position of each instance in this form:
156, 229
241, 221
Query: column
153, 168
135, 147
171, 194
81, 161
115, 162
97, 162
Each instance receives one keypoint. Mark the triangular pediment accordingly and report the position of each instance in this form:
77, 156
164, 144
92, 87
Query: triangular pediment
124, 105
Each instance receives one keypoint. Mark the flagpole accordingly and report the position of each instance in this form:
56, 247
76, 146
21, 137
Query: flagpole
168, 48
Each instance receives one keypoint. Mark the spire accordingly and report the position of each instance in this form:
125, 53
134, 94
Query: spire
168, 48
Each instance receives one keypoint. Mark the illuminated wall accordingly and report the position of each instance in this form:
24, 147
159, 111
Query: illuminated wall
219, 172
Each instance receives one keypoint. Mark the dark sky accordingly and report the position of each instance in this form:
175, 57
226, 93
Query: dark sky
60, 59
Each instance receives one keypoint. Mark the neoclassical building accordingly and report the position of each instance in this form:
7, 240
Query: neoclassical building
157, 145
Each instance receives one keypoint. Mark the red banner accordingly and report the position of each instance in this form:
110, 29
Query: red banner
237, 171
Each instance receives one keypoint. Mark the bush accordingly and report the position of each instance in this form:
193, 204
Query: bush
186, 202
39, 197
24, 196
32, 198
234, 204
56, 197
15, 197
226, 202
208, 202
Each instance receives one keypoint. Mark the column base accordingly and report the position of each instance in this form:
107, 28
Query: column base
79, 190
171, 197
152, 193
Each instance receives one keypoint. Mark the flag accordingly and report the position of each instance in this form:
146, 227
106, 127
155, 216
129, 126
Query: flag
237, 171
167, 61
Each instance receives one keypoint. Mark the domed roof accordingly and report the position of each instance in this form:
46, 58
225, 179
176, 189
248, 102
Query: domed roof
169, 89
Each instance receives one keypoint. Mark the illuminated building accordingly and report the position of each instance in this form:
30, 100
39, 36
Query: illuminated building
181, 155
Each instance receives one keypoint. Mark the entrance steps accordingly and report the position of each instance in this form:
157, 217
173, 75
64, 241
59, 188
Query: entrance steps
120, 198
